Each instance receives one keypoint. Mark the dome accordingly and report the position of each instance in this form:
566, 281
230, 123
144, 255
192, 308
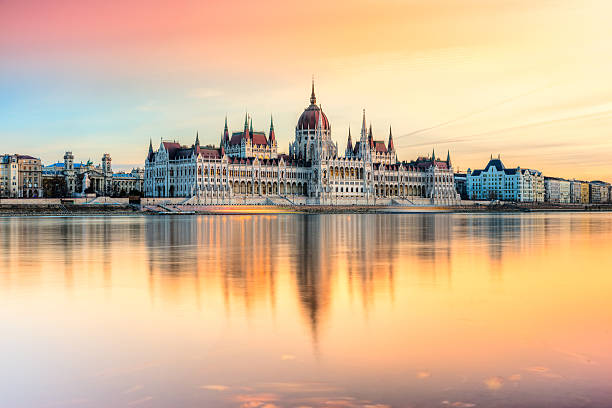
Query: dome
310, 118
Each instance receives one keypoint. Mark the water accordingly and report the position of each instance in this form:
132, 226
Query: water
307, 311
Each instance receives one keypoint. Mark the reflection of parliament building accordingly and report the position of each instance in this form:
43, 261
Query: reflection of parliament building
238, 260
247, 168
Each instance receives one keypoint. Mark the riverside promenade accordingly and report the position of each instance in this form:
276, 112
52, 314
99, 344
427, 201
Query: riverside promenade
122, 206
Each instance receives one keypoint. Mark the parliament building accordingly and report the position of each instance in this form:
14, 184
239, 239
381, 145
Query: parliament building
246, 168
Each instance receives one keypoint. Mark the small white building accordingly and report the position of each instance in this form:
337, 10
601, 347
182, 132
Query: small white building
496, 182
557, 190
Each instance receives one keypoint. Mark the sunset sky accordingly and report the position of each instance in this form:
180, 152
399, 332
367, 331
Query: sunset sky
530, 80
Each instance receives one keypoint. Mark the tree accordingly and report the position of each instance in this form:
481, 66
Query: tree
54, 187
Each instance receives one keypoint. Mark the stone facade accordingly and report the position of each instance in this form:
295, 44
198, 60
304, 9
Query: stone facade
247, 164
100, 178
20, 176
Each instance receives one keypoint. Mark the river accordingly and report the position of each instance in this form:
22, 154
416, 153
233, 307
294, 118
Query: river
269, 311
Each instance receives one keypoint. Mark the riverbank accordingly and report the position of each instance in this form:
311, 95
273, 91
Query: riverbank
132, 209
68, 209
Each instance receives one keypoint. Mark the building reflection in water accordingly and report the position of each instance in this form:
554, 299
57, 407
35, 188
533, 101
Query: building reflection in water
244, 255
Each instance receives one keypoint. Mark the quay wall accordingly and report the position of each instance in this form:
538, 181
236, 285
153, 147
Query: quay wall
58, 201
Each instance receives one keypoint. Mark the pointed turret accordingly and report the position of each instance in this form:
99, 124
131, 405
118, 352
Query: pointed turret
150, 149
197, 141
448, 160
271, 136
251, 129
246, 123
370, 137
363, 126
390, 147
225, 131
313, 98
349, 142
433, 155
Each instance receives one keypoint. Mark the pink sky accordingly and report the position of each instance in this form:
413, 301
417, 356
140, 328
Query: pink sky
529, 80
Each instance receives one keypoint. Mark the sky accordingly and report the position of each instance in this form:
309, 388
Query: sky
527, 80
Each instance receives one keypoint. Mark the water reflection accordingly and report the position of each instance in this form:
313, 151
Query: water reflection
307, 310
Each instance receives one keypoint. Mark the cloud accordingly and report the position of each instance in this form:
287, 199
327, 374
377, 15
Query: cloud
577, 356
140, 401
494, 383
423, 374
458, 404
214, 387
287, 357
262, 400
299, 387
132, 389
514, 377
537, 369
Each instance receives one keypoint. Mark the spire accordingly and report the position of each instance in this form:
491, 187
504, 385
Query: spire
448, 161
197, 141
271, 136
433, 155
313, 98
391, 146
370, 137
150, 149
349, 143
363, 126
251, 128
246, 122
225, 131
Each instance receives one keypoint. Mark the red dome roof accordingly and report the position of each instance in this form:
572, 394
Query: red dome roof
310, 118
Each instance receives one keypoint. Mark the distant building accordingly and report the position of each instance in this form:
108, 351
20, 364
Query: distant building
496, 182
599, 192
557, 190
127, 183
20, 176
575, 191
9, 176
585, 193
100, 178
30, 176
461, 185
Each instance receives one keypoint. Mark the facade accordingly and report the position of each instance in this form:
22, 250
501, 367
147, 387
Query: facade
575, 191
248, 165
599, 192
461, 185
557, 190
9, 176
127, 183
585, 193
496, 182
20, 176
30, 176
99, 179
